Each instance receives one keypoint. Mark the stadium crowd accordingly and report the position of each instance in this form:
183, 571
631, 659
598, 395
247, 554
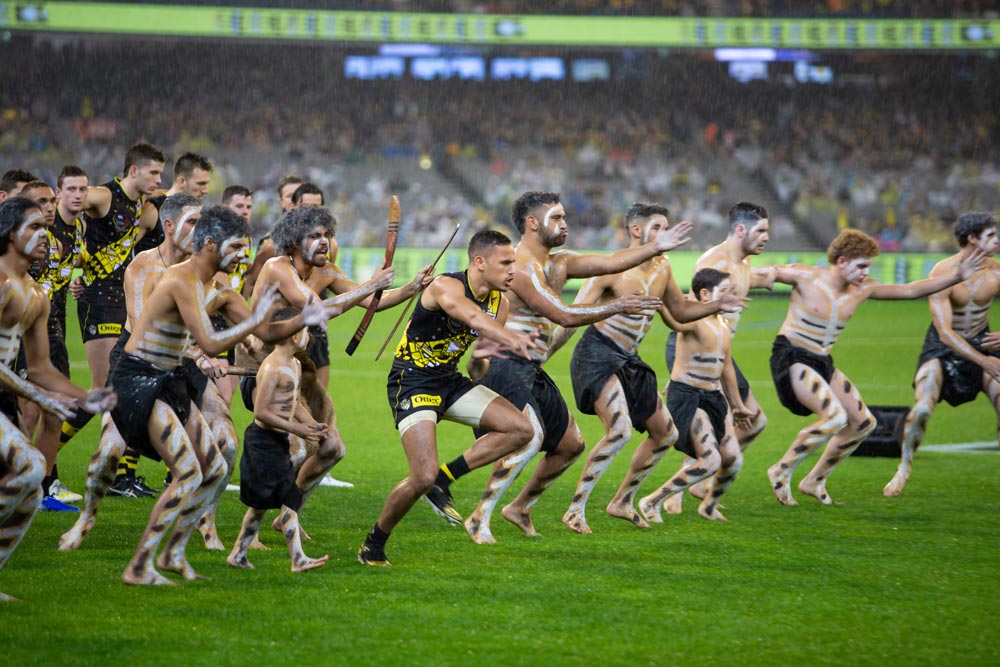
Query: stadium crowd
826, 156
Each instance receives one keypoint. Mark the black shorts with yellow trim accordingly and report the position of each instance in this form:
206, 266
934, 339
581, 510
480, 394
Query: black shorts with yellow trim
411, 389
101, 320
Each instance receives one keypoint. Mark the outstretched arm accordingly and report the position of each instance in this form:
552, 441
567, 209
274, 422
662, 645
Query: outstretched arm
394, 297
590, 293
791, 274
531, 287
685, 310
763, 277
919, 288
585, 266
380, 280
338, 282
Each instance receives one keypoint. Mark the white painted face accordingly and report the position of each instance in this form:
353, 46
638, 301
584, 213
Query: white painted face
988, 241
856, 270
32, 235
315, 247
554, 230
656, 224
725, 287
756, 237
232, 250
183, 236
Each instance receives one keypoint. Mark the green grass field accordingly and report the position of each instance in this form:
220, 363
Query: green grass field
904, 581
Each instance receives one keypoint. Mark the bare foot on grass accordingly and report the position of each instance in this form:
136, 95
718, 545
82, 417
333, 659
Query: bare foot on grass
520, 519
781, 485
303, 563
577, 522
478, 531
620, 510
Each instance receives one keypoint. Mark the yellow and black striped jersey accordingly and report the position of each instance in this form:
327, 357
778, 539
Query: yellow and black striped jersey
433, 339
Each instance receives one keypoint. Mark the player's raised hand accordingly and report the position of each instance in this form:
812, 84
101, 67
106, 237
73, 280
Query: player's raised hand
673, 237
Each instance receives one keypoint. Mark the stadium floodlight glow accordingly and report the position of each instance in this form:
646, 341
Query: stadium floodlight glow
742, 55
409, 50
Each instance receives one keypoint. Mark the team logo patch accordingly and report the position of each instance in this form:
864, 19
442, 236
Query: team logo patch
110, 328
425, 400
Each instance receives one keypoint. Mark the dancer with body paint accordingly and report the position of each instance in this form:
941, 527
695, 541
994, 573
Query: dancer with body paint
536, 305
302, 249
424, 385
702, 388
822, 302
65, 244
267, 476
961, 357
156, 414
749, 230
179, 214
611, 381
24, 314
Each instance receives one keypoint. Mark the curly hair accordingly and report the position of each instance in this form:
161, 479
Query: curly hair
296, 224
851, 244
973, 223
